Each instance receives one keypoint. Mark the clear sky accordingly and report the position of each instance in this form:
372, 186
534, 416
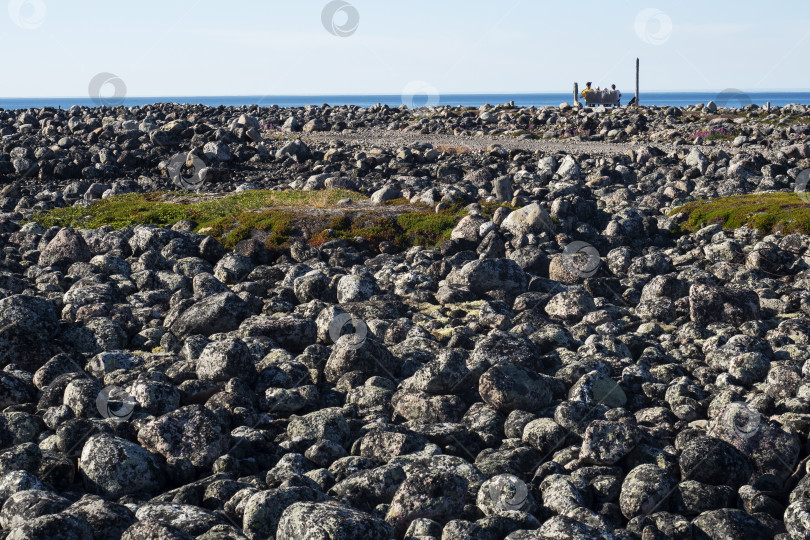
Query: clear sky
260, 47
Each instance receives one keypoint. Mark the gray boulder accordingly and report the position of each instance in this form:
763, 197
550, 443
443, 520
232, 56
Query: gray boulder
25, 506
529, 219
114, 467
485, 275
324, 425
108, 520
192, 432
507, 387
223, 360
569, 169
305, 521
291, 124
356, 288
217, 151
358, 352
383, 194
645, 489
730, 523
28, 326
218, 313
66, 248
733, 305
263, 510
570, 305
184, 517
53, 527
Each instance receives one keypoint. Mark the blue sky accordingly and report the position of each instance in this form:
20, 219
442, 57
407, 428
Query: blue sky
261, 47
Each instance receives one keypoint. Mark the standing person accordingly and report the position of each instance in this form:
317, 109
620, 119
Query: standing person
618, 94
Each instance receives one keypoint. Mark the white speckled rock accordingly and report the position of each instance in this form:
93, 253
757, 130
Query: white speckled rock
116, 467
322, 521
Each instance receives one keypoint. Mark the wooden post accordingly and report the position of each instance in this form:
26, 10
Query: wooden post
768, 107
637, 101
576, 92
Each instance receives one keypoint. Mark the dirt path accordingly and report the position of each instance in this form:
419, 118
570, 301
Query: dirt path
394, 139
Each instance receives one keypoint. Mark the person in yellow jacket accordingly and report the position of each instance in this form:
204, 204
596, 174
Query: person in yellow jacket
586, 90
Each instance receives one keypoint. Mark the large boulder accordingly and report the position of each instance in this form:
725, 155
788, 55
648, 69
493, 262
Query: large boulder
570, 305
715, 462
113, 467
605, 443
217, 151
324, 425
66, 248
529, 219
734, 305
28, 326
263, 510
356, 352
797, 519
53, 527
437, 495
507, 387
185, 517
223, 360
730, 523
770, 447
107, 519
306, 521
291, 332
466, 232
14, 390
698, 160
192, 432
645, 489
484, 275
569, 169
218, 313
356, 288
25, 506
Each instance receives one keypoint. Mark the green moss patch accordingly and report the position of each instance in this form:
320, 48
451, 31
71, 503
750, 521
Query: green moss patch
769, 212
274, 217
162, 208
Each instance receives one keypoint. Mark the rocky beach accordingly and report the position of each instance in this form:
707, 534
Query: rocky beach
449, 323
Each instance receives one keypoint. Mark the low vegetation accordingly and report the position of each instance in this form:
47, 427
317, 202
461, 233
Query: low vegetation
769, 212
714, 134
274, 217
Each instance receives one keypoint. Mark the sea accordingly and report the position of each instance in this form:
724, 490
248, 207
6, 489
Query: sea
727, 98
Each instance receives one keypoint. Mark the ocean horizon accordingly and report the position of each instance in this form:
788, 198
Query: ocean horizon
728, 98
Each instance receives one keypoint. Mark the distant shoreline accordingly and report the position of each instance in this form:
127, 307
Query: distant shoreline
732, 98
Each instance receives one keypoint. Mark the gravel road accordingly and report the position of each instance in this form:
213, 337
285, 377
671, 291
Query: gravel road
395, 139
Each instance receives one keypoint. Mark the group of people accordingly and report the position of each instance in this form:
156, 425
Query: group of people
602, 95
